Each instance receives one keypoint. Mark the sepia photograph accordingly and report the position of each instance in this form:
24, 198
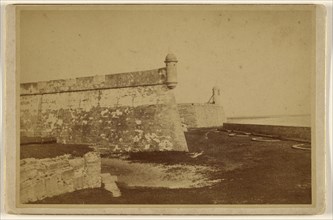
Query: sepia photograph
167, 105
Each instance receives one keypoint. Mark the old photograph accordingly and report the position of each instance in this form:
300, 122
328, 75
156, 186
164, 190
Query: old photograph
166, 105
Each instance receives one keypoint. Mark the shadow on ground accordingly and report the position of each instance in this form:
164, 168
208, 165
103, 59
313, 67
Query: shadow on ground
241, 171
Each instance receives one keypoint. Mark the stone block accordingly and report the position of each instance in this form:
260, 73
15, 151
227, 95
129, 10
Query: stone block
113, 188
55, 164
110, 184
63, 187
44, 161
41, 171
70, 187
93, 169
78, 182
92, 181
91, 157
51, 185
79, 172
40, 189
28, 172
27, 192
77, 162
30, 161
67, 174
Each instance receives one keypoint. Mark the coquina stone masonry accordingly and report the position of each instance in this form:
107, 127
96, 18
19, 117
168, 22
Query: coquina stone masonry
201, 115
41, 178
133, 111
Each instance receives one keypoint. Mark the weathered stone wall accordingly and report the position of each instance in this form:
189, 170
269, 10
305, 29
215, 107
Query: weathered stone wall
111, 81
41, 178
195, 115
303, 133
126, 112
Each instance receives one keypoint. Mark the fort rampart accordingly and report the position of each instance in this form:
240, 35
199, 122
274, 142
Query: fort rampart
134, 111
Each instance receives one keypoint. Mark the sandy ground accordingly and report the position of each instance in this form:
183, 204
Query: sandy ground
229, 170
135, 174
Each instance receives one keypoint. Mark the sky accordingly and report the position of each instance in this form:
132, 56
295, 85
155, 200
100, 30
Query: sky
262, 59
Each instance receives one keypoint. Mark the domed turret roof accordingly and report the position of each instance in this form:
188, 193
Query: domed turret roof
171, 58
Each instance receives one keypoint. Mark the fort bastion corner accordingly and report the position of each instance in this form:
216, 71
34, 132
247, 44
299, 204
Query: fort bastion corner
133, 111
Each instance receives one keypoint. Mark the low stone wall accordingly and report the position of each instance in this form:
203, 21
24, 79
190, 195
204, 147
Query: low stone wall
195, 115
302, 133
41, 178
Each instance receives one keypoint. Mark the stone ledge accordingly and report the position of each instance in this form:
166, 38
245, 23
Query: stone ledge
41, 178
110, 81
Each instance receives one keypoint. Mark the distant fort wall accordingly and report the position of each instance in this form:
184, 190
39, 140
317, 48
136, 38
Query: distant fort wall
197, 115
133, 111
203, 115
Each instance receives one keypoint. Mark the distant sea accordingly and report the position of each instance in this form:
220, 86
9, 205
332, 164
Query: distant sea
286, 120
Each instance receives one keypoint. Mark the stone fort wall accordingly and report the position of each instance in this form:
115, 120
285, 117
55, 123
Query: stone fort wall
133, 111
196, 115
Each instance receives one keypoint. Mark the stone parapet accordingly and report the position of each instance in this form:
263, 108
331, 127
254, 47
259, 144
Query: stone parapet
111, 81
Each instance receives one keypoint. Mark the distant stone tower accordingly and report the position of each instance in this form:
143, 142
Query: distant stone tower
216, 99
171, 68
